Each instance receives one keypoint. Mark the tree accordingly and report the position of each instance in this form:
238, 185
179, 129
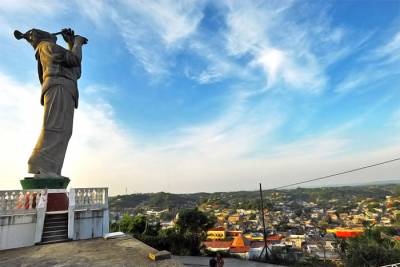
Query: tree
194, 221
138, 224
126, 223
192, 225
132, 225
375, 247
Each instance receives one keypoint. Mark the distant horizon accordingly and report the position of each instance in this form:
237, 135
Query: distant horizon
373, 183
211, 95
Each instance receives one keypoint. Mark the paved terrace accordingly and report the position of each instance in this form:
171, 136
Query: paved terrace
96, 252
189, 261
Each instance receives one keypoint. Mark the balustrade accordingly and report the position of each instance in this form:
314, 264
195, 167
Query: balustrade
19, 201
26, 201
89, 198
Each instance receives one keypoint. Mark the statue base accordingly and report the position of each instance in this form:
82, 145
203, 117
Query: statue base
44, 183
57, 200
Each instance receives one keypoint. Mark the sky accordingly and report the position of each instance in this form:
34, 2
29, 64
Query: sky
190, 96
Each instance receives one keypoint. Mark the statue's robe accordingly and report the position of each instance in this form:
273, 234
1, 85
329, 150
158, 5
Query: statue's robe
58, 69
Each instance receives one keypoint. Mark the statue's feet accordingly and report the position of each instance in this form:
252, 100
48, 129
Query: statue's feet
44, 174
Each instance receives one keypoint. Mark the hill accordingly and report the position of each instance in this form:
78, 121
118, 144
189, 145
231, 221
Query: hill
345, 195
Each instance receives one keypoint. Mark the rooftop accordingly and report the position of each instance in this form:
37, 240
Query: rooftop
95, 252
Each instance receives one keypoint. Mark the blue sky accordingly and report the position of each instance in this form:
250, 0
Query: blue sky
187, 96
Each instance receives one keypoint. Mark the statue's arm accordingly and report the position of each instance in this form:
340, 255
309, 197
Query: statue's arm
76, 50
57, 54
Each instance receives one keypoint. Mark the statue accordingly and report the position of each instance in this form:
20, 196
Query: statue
58, 69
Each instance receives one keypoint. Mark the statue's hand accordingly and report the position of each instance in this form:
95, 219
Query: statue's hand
68, 36
81, 39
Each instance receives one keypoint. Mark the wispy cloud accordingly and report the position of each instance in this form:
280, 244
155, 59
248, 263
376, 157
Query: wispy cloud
152, 31
284, 58
25, 14
390, 51
26, 7
378, 63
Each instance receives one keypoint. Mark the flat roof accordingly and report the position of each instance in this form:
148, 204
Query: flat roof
125, 251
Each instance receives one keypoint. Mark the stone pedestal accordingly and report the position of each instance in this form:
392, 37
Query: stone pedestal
57, 201
44, 183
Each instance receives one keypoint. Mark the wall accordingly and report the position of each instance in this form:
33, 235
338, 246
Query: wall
22, 215
88, 213
89, 224
17, 230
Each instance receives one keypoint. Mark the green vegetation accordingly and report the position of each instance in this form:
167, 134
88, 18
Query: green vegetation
194, 222
344, 197
375, 247
183, 239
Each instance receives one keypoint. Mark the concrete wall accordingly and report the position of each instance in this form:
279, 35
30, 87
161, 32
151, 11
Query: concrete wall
89, 224
17, 231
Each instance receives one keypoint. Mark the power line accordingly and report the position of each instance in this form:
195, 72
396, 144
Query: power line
336, 174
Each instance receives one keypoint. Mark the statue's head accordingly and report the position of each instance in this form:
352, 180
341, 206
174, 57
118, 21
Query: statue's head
35, 36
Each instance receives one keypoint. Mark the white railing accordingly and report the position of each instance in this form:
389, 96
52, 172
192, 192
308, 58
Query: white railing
19, 201
85, 199
90, 198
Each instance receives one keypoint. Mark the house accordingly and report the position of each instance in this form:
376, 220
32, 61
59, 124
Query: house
217, 233
217, 245
233, 233
240, 247
234, 218
295, 240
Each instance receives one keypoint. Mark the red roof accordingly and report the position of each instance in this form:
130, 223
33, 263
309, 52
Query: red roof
217, 244
274, 238
347, 233
238, 242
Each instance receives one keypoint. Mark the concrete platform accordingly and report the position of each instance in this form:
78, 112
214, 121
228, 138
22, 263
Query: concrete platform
189, 261
95, 252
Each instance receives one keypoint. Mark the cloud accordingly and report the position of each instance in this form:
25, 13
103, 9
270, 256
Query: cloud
171, 20
376, 65
296, 73
284, 58
20, 121
94, 10
210, 75
389, 51
214, 156
25, 14
152, 31
262, 46
26, 7
211, 64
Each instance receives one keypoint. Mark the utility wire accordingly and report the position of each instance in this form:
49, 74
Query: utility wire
336, 174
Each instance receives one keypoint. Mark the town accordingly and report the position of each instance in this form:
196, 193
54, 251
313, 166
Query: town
301, 225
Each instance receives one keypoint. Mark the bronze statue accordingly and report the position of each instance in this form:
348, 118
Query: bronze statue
59, 70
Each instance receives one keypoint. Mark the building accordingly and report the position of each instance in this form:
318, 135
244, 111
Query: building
345, 232
217, 245
240, 247
234, 218
233, 233
295, 240
217, 233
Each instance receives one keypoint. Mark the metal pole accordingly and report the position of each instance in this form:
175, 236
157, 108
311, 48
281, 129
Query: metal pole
263, 220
